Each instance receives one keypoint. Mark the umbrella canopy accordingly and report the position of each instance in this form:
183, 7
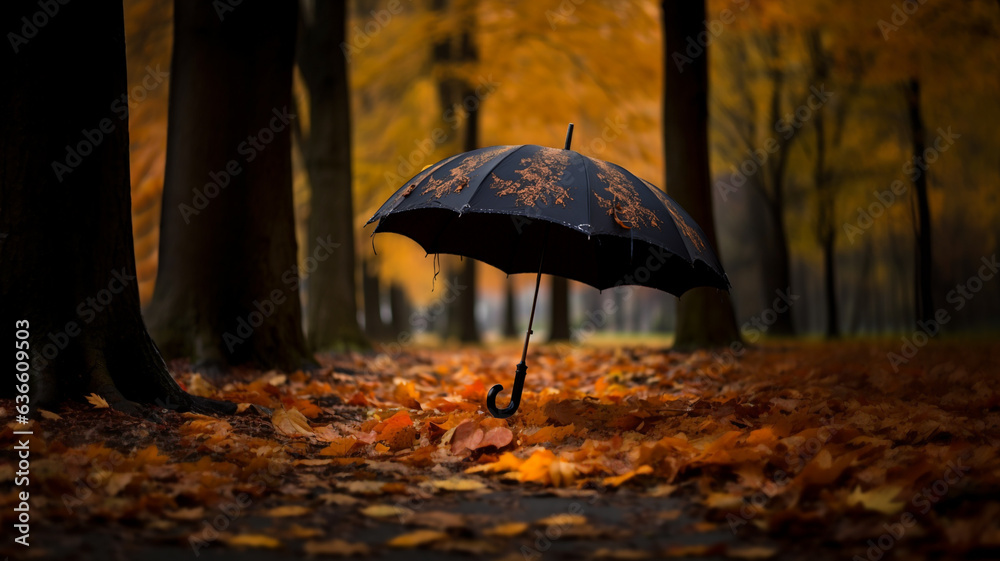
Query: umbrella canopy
529, 208
596, 222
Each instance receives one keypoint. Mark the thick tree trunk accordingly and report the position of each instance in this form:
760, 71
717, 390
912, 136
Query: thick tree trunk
704, 315
560, 310
509, 328
923, 260
67, 264
331, 308
227, 287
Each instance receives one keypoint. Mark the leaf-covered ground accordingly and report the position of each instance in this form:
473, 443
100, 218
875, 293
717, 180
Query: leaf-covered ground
798, 450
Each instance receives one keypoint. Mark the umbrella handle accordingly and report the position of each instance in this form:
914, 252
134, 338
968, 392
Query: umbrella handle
515, 394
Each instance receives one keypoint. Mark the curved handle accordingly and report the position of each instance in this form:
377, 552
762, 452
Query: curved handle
515, 394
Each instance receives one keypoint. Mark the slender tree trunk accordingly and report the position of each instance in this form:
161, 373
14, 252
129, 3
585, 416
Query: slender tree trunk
331, 308
67, 263
923, 260
400, 310
453, 92
704, 315
510, 305
374, 327
560, 309
462, 317
779, 277
827, 233
227, 290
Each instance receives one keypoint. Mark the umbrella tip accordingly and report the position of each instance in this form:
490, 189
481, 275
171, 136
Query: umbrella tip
569, 136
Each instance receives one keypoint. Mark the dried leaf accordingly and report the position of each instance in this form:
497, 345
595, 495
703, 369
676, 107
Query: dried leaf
417, 538
97, 401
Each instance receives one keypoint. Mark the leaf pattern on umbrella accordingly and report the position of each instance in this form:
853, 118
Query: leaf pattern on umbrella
458, 176
624, 205
686, 229
540, 180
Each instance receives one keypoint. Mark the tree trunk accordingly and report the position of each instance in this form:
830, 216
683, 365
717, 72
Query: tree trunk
923, 261
331, 308
227, 286
374, 327
560, 309
779, 277
462, 316
67, 262
704, 315
510, 310
449, 52
400, 307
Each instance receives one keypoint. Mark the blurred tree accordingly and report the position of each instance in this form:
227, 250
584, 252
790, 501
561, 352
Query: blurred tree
401, 311
560, 309
61, 188
375, 328
457, 95
756, 143
227, 286
331, 308
704, 315
509, 327
923, 260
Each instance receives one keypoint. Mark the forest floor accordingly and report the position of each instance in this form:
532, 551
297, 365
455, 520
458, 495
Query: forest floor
786, 451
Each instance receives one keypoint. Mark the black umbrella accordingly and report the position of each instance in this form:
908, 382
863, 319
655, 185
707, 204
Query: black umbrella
530, 208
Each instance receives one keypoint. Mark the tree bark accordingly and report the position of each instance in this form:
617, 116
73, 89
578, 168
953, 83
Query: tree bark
923, 260
331, 305
227, 286
560, 309
704, 315
67, 263
400, 307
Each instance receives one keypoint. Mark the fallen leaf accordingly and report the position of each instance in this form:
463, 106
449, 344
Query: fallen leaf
97, 401
417, 538
458, 484
337, 548
49, 415
287, 511
752, 552
253, 540
881, 499
507, 530
563, 520
386, 511
291, 422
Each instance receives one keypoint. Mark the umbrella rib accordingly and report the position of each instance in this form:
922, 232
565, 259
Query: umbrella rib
586, 176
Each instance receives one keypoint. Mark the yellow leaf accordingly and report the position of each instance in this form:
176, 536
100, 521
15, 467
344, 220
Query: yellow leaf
417, 539
564, 520
253, 540
291, 422
619, 479
49, 415
458, 484
508, 530
336, 547
621, 554
752, 552
97, 401
338, 499
288, 510
386, 511
242, 407
881, 499
194, 513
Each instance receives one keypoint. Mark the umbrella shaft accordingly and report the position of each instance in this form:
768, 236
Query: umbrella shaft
531, 318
